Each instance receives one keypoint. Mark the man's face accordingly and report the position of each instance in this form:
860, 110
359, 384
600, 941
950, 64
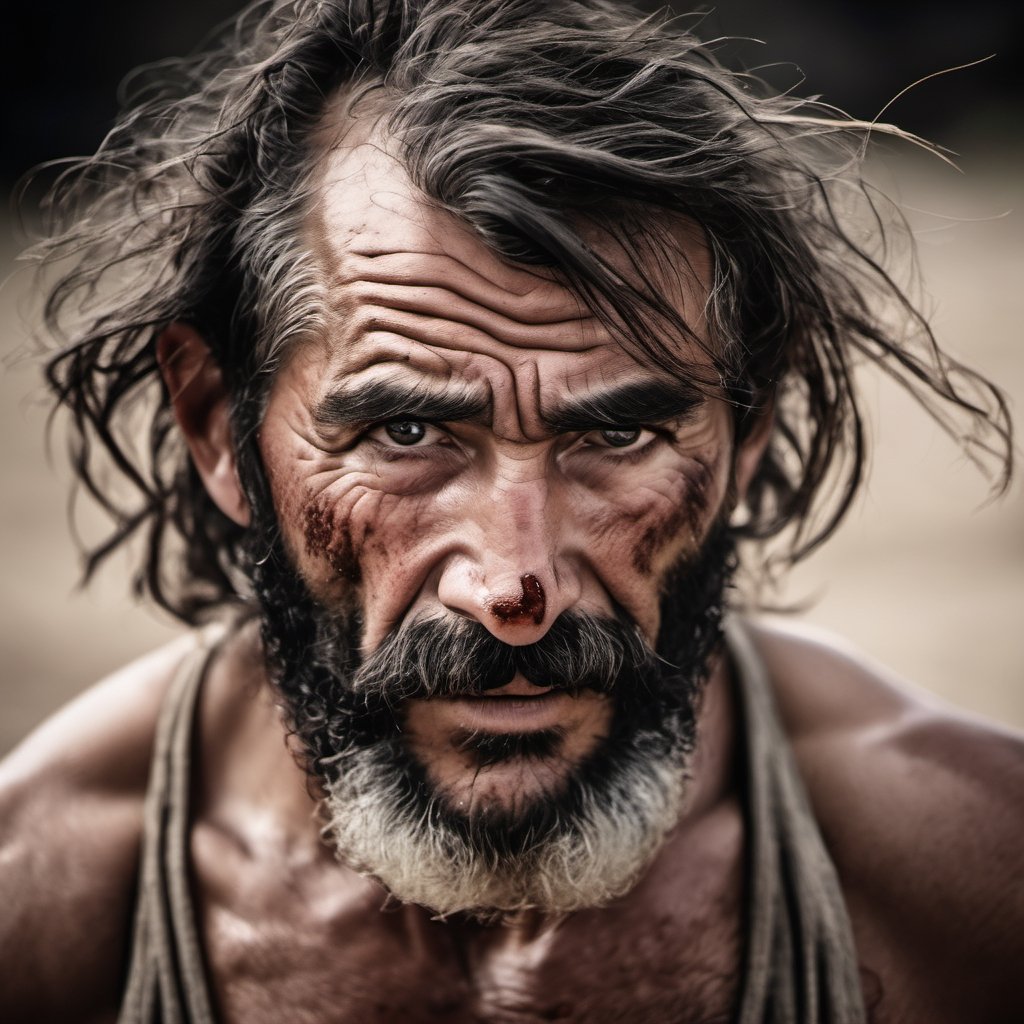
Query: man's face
466, 443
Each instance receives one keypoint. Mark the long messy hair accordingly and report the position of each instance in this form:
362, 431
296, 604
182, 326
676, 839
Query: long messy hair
531, 121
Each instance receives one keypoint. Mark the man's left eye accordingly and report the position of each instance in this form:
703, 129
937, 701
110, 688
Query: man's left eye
620, 437
406, 432
628, 440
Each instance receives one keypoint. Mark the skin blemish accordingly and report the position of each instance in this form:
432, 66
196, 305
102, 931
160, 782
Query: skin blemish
613, 524
528, 607
319, 529
325, 540
655, 537
691, 511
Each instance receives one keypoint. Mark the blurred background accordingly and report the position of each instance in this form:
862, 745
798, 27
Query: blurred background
925, 576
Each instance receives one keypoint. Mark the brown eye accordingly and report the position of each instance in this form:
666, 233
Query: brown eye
620, 438
406, 432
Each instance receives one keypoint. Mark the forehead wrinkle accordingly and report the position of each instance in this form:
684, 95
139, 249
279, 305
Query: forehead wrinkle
377, 227
370, 216
369, 220
552, 304
382, 348
454, 330
459, 238
421, 286
445, 286
432, 316
394, 207
527, 402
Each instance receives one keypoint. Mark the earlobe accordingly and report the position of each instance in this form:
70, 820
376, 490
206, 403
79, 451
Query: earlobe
200, 401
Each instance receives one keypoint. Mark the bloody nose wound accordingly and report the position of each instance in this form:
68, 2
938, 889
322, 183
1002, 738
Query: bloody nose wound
528, 607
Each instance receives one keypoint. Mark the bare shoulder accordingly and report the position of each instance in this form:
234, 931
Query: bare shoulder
922, 808
71, 805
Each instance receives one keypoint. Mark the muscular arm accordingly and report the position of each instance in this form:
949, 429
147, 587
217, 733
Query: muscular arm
71, 799
921, 808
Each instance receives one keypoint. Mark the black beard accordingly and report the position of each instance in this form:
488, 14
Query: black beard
337, 702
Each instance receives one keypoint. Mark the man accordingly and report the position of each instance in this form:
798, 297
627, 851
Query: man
469, 340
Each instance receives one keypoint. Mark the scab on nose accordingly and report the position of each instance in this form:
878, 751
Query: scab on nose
529, 606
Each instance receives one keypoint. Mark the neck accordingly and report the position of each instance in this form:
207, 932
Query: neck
712, 774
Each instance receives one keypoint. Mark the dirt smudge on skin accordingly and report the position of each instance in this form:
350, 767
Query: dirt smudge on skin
324, 539
617, 521
690, 512
654, 538
530, 606
319, 528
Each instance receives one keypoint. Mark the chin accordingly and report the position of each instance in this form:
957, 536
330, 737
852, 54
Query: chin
528, 833
505, 779
506, 771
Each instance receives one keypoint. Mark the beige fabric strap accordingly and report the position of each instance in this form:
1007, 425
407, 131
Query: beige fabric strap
166, 978
801, 964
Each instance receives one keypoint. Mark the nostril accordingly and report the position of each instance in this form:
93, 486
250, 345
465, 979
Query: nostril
529, 606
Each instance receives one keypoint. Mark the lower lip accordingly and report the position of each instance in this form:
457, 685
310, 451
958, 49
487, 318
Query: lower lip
512, 714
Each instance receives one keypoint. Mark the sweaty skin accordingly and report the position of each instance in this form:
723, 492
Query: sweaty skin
491, 498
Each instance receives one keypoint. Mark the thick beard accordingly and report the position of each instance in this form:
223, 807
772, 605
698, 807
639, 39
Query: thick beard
580, 847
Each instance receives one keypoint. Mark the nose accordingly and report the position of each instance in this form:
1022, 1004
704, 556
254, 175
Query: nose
511, 573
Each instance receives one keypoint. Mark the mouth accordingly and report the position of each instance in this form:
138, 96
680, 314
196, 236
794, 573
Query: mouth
518, 706
513, 712
507, 747
519, 686
454, 737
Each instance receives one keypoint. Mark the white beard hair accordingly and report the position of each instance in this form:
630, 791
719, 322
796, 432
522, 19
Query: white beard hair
379, 831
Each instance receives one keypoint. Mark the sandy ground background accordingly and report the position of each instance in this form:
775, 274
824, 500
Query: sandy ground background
925, 576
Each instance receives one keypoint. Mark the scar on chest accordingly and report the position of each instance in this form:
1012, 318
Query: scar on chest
528, 607
325, 539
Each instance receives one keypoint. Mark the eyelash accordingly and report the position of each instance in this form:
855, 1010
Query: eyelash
395, 452
637, 452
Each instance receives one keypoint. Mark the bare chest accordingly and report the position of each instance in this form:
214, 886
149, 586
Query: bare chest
362, 982
322, 945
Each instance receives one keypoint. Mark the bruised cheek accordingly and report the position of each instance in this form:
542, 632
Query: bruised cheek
643, 532
330, 542
683, 519
362, 541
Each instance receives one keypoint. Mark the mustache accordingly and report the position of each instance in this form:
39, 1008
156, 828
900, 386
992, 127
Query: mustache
456, 657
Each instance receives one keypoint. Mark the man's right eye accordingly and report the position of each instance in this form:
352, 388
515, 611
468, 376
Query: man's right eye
402, 432
420, 434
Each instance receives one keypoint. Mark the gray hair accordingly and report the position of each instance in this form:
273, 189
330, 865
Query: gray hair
528, 120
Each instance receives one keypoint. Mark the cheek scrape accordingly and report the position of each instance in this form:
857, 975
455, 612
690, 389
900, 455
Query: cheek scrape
529, 606
690, 511
326, 540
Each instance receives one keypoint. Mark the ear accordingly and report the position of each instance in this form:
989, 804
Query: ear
200, 402
751, 450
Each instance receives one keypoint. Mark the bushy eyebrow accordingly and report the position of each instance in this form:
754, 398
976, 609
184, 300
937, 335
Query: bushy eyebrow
653, 401
388, 400
625, 405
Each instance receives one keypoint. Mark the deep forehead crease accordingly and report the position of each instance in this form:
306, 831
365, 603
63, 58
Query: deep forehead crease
372, 225
530, 297
438, 301
453, 243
